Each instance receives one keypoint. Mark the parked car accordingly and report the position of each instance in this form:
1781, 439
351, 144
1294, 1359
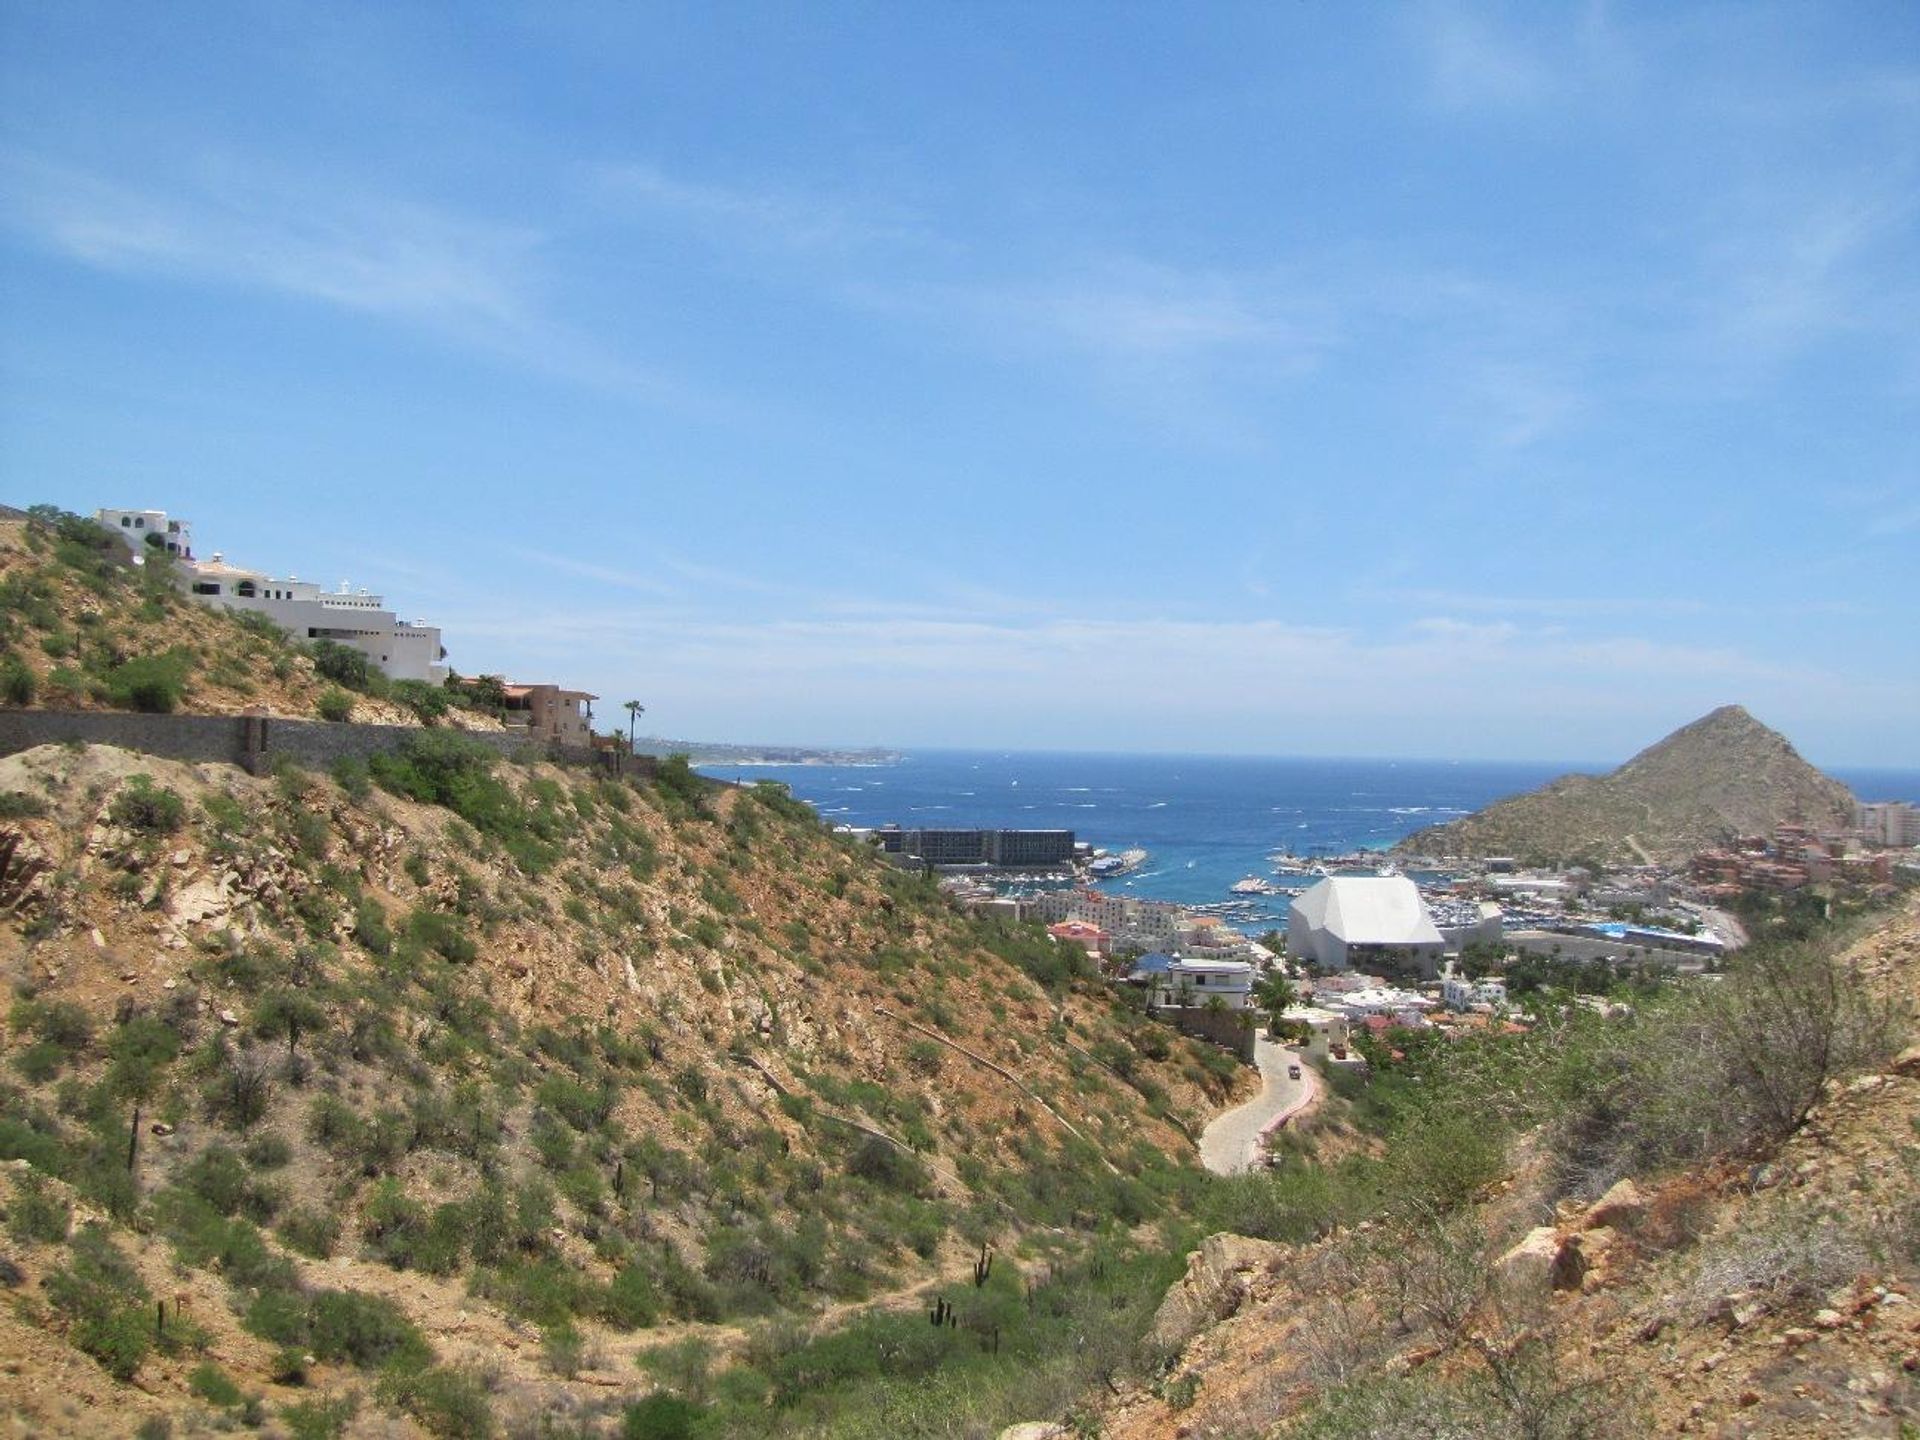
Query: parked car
1293, 1072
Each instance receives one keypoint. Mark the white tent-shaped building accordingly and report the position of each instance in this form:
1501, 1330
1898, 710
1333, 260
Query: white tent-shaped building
1349, 922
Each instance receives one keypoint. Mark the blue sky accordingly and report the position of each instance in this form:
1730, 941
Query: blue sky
1432, 380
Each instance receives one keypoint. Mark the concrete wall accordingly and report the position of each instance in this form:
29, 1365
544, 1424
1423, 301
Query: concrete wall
1230, 1029
1589, 948
255, 741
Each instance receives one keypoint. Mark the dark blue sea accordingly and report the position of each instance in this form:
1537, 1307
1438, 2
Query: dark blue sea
1206, 821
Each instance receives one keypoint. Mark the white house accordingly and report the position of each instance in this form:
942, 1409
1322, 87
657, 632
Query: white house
404, 650
1195, 982
1460, 993
1326, 1029
1353, 920
149, 529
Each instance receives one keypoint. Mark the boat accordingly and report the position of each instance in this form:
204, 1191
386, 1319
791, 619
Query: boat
1109, 867
1252, 885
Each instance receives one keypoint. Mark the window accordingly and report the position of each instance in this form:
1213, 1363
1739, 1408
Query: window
139, 522
206, 587
126, 520
245, 590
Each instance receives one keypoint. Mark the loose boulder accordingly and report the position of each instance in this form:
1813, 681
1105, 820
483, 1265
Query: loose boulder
1218, 1279
1621, 1208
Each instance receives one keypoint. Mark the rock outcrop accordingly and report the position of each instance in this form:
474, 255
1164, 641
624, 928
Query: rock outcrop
1725, 774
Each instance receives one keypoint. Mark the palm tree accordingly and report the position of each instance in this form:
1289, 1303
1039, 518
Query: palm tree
634, 711
1276, 997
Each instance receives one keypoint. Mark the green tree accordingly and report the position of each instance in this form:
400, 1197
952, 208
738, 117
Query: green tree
1274, 994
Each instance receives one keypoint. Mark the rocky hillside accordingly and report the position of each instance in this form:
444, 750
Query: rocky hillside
82, 629
1725, 774
1768, 1287
440, 1096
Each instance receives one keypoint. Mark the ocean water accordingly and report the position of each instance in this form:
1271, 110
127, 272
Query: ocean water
1206, 821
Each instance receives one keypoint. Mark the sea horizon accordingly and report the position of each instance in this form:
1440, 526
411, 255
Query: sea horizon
1206, 821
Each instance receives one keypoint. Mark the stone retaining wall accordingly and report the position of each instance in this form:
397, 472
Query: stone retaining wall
1230, 1029
255, 741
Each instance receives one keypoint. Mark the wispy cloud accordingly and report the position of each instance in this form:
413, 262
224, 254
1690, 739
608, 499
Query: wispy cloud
1474, 63
618, 577
229, 224
758, 215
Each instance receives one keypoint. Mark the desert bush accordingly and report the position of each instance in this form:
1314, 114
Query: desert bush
368, 1331
37, 1215
18, 684
334, 705
311, 1232
152, 683
660, 1417
1295, 1205
151, 809
446, 1402
343, 665
1733, 1067
212, 1384
441, 933
1794, 1253
103, 1298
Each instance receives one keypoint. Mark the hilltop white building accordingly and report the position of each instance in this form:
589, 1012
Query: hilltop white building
149, 529
1363, 920
404, 650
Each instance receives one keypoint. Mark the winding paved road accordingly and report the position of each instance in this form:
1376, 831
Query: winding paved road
1230, 1144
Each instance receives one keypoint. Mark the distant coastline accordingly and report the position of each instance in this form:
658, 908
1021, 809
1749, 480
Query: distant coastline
699, 752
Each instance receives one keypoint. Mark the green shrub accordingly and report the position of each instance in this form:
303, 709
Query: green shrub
218, 1176
140, 1049
18, 805
211, 1383
102, 1296
428, 702
393, 1224
660, 1417
442, 934
151, 809
311, 1232
370, 926
343, 665
152, 683
18, 684
368, 1331
630, 1302
351, 774
37, 1215
334, 705
563, 1349
447, 1402
319, 1419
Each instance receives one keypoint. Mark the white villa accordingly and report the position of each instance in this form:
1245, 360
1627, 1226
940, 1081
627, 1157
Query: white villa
144, 529
1195, 982
1326, 1029
1461, 994
403, 649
